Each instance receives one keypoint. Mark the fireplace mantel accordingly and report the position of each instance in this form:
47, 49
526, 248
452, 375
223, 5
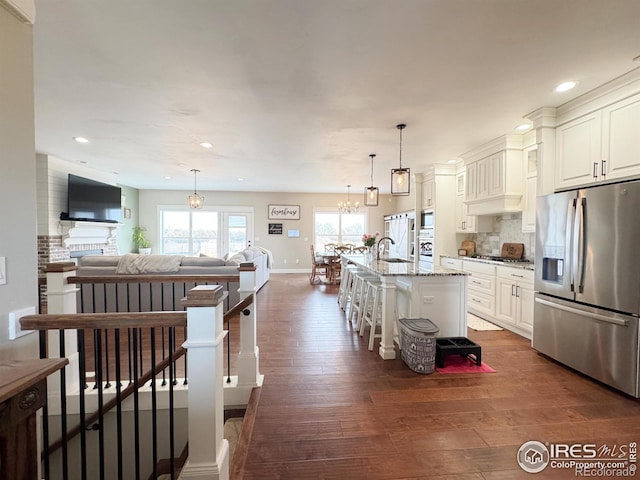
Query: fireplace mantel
75, 232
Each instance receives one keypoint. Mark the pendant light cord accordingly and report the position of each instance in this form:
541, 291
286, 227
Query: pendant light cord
372, 155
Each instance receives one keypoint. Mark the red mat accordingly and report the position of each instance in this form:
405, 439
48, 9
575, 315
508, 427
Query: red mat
460, 364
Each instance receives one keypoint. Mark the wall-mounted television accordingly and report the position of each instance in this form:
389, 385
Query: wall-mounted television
92, 201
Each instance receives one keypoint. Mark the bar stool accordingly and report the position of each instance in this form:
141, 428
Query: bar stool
346, 280
357, 296
372, 311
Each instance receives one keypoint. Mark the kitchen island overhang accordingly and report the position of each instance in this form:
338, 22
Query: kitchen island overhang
410, 292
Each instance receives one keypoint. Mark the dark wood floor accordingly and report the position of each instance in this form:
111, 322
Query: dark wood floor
331, 409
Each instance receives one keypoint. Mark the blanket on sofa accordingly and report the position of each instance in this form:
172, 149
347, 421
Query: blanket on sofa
133, 264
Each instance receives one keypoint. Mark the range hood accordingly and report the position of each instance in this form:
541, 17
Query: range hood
505, 203
495, 177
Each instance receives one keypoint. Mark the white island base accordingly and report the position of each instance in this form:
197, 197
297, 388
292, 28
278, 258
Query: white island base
408, 292
441, 299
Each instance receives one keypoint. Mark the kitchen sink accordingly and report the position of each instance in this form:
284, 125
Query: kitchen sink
395, 260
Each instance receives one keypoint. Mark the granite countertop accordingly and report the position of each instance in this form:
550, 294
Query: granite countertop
399, 269
523, 266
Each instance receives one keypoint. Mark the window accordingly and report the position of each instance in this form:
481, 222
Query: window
189, 232
213, 231
333, 227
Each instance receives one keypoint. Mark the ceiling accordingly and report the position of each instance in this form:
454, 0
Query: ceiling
295, 94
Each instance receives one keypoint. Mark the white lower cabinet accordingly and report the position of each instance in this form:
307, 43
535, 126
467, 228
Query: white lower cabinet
481, 288
514, 295
500, 294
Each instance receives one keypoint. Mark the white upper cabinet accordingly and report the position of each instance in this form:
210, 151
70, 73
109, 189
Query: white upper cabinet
578, 146
621, 138
495, 180
429, 193
602, 145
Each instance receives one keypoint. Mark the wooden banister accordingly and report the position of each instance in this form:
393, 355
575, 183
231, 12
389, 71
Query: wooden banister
148, 278
104, 320
23, 390
239, 307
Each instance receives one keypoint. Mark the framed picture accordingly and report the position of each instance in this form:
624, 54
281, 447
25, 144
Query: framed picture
293, 233
284, 212
275, 229
127, 212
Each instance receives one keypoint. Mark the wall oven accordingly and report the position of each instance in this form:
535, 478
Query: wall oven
425, 244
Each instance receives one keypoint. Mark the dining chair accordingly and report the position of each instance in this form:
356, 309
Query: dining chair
342, 249
318, 265
362, 249
330, 247
350, 246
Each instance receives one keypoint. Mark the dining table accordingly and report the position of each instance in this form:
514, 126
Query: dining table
332, 259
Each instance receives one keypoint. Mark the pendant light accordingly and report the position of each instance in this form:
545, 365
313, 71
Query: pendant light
346, 207
195, 200
400, 184
371, 193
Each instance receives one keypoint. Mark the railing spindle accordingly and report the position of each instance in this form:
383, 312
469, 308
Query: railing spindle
81, 403
98, 348
45, 412
116, 335
63, 408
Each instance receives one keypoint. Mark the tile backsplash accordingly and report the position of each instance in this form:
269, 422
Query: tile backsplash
506, 229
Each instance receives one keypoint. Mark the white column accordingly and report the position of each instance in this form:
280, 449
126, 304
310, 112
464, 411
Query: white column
61, 299
61, 296
208, 449
387, 350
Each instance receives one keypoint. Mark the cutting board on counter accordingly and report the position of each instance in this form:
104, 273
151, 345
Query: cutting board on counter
512, 250
469, 246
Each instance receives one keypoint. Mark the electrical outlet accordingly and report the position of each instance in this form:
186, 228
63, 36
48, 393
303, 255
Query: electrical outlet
284, 261
297, 261
14, 322
3, 270
427, 299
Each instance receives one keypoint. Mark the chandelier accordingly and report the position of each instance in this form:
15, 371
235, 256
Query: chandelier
195, 200
400, 184
346, 207
371, 193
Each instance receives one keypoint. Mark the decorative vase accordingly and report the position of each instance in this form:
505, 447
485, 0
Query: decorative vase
369, 253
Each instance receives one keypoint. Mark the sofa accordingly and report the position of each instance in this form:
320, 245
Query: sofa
105, 265
97, 265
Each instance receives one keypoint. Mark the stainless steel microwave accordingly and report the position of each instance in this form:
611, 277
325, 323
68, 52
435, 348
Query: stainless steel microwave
426, 219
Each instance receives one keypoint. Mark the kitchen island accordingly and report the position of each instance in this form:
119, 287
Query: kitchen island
410, 292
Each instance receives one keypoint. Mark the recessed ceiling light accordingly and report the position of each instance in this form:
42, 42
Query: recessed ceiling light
206, 145
523, 127
565, 86
240, 179
167, 177
81, 140
453, 160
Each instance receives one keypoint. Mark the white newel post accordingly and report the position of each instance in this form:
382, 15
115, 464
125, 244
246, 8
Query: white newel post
61, 298
208, 449
238, 391
249, 356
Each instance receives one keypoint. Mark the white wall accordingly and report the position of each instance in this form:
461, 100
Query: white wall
283, 248
17, 181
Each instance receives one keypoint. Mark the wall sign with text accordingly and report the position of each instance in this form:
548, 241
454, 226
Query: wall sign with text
284, 212
275, 229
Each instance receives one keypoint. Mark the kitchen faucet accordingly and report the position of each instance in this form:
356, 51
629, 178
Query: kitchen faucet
383, 238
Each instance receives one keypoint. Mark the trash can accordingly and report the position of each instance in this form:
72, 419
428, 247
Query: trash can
418, 343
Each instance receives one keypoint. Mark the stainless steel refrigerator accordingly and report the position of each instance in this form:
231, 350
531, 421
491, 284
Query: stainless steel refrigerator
587, 283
